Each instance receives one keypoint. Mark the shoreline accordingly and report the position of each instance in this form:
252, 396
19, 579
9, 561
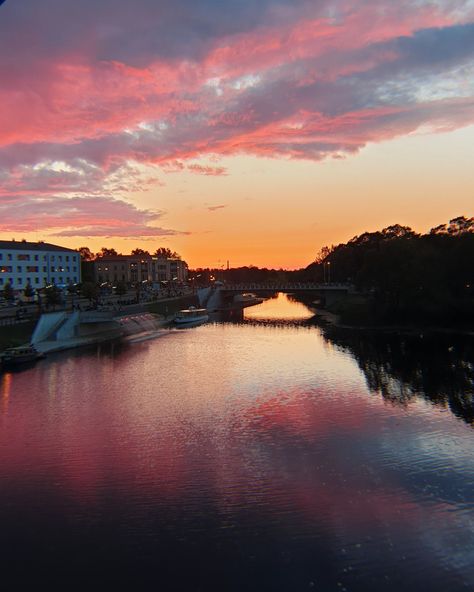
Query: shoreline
329, 319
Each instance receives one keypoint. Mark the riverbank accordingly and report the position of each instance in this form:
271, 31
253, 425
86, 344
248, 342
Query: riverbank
164, 310
329, 320
356, 313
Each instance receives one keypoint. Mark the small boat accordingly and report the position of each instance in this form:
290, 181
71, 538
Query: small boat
15, 356
191, 315
247, 299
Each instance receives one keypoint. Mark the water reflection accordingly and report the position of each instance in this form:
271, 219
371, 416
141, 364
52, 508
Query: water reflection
401, 367
231, 457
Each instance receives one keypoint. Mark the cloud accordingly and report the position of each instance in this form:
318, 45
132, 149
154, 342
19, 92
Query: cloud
214, 208
212, 171
78, 216
96, 97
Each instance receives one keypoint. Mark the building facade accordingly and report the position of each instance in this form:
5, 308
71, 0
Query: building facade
133, 269
37, 264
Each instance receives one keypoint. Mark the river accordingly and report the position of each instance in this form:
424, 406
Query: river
267, 455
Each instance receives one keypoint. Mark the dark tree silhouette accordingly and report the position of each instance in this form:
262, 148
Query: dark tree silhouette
165, 253
86, 254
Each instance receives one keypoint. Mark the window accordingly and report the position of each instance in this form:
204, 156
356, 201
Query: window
36, 280
67, 257
23, 257
6, 269
32, 269
9, 256
52, 257
1, 256
45, 269
18, 269
36, 257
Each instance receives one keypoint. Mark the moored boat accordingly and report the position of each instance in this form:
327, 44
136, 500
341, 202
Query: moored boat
15, 356
191, 315
247, 299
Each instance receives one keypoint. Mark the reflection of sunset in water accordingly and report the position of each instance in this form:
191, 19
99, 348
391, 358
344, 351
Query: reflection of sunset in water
280, 307
236, 445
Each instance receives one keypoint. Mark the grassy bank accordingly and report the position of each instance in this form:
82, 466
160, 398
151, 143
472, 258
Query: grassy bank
13, 335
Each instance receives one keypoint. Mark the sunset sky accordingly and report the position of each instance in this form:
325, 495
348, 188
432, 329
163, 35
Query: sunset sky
249, 131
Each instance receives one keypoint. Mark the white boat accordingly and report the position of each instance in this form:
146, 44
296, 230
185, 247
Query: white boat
191, 315
247, 299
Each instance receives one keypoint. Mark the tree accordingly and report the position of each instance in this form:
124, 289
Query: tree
397, 231
165, 253
53, 296
28, 292
324, 254
86, 254
90, 290
140, 253
456, 227
105, 252
460, 225
8, 292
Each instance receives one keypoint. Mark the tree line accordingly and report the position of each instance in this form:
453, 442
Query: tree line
408, 277
160, 252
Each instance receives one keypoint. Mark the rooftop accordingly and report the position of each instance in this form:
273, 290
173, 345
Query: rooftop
23, 245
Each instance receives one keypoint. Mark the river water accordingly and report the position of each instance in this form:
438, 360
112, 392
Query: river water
266, 455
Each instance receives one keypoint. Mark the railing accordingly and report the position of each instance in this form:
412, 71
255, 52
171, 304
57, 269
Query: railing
291, 286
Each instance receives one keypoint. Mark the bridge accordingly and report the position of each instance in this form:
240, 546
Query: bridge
286, 287
217, 296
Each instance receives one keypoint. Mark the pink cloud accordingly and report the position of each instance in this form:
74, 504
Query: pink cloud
78, 216
214, 208
207, 170
88, 98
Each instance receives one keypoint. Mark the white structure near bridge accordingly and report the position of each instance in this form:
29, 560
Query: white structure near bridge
37, 264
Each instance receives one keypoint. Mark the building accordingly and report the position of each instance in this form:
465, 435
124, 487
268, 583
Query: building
132, 269
38, 264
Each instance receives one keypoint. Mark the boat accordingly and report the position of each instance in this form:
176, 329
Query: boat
191, 315
15, 356
247, 299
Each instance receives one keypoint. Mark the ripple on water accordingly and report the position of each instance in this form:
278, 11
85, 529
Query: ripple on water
257, 448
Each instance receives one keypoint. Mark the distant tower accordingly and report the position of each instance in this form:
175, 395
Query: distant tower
227, 264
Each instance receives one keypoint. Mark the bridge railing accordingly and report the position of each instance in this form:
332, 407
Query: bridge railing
248, 287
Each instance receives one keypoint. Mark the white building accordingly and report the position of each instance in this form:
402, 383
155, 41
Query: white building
38, 264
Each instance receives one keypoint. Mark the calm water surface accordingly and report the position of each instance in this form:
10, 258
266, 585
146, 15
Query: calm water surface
264, 455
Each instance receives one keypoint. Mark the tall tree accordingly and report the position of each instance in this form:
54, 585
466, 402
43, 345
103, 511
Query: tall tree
86, 254
28, 292
8, 292
53, 296
166, 253
105, 252
140, 253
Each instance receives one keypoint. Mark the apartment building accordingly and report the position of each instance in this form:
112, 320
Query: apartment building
38, 264
132, 269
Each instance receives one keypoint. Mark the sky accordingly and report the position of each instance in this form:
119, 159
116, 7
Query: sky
253, 132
